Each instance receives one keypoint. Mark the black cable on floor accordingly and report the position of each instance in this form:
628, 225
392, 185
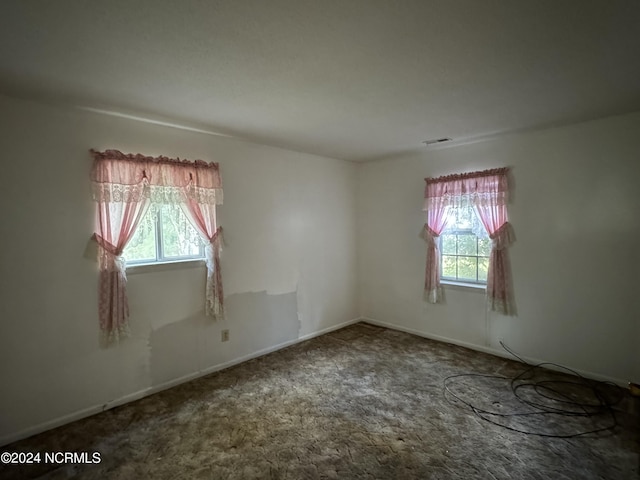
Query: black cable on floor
546, 391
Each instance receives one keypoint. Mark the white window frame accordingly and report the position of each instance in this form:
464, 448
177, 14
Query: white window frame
161, 259
457, 279
477, 283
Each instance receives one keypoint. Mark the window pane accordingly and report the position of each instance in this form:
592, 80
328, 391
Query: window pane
483, 268
464, 247
142, 245
448, 266
449, 244
179, 238
484, 246
465, 217
467, 268
467, 245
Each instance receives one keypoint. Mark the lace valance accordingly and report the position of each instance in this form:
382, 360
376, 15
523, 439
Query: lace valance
120, 177
488, 187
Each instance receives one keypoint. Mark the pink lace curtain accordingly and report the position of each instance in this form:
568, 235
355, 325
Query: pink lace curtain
488, 192
124, 185
499, 286
203, 218
116, 222
436, 221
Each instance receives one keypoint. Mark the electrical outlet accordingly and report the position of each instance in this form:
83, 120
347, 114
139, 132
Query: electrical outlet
225, 335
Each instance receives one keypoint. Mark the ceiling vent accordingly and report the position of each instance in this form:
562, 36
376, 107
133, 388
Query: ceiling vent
436, 141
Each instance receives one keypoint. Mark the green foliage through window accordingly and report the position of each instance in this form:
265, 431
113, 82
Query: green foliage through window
464, 248
164, 235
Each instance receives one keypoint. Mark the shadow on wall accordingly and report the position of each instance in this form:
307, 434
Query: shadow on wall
255, 321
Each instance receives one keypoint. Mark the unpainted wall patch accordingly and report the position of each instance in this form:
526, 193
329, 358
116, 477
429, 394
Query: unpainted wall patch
255, 321
174, 349
267, 320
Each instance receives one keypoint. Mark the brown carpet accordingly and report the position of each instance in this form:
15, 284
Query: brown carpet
361, 402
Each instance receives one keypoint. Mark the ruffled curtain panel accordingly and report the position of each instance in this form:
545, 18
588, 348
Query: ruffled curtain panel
203, 218
436, 221
487, 191
124, 185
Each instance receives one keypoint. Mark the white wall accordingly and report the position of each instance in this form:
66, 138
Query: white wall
576, 261
289, 265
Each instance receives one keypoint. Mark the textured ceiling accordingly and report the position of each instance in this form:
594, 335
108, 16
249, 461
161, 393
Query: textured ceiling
351, 79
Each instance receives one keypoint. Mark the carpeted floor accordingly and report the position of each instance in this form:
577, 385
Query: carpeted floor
361, 402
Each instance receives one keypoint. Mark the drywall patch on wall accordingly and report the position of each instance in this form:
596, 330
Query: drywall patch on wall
255, 320
183, 292
264, 319
175, 349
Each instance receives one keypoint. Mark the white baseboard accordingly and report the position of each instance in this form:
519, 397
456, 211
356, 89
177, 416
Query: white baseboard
493, 351
87, 412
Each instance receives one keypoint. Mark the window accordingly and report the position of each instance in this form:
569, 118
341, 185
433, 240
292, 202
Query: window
125, 186
164, 235
457, 206
465, 247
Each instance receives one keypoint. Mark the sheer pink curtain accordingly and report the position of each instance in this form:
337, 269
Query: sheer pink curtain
124, 185
499, 285
121, 203
488, 192
436, 221
203, 218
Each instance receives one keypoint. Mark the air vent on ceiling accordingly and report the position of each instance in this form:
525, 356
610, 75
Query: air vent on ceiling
436, 141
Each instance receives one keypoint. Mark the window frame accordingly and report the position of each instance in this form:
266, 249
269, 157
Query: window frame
477, 283
155, 209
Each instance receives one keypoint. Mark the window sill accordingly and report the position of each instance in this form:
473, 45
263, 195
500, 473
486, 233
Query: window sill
164, 266
474, 287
